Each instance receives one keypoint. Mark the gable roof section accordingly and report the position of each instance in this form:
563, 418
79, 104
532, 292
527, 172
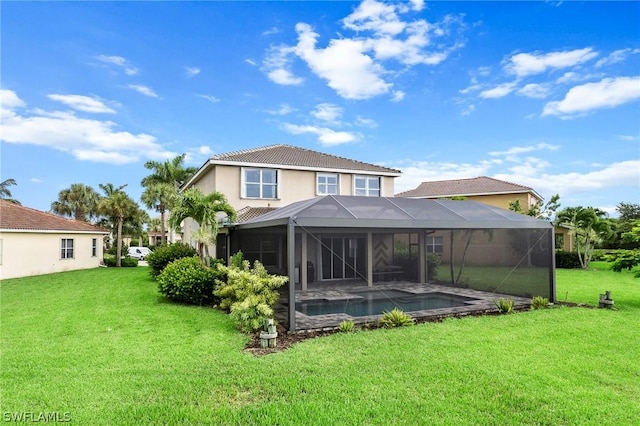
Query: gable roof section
291, 157
482, 185
16, 218
336, 211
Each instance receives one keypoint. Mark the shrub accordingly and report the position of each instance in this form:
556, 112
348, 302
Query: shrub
567, 260
163, 255
395, 318
125, 262
250, 294
505, 306
186, 280
433, 261
347, 326
539, 302
624, 259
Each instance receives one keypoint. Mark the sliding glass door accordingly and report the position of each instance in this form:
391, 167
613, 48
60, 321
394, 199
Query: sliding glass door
343, 257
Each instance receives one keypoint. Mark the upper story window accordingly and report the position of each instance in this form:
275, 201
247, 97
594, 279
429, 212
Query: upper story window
327, 184
368, 186
260, 183
66, 248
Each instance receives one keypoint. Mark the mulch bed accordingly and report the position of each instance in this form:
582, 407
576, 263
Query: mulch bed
285, 339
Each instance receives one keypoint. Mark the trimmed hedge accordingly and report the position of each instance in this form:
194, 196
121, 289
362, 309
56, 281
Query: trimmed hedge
186, 280
567, 260
125, 262
165, 254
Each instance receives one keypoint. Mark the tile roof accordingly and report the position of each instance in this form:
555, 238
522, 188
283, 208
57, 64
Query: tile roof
20, 218
288, 155
248, 213
462, 187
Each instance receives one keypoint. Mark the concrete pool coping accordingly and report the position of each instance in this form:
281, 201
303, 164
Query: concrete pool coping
483, 302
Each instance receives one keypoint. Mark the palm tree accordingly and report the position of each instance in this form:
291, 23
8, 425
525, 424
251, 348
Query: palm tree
117, 207
159, 196
203, 209
5, 193
79, 201
171, 173
589, 225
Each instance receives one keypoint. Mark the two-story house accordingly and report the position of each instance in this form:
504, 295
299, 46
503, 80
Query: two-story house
259, 180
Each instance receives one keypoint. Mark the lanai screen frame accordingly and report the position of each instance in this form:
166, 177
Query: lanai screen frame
389, 215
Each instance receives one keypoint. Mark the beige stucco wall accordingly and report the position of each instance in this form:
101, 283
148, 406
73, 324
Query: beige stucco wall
503, 200
30, 253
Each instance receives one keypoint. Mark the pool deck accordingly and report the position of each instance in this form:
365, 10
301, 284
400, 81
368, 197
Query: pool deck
485, 302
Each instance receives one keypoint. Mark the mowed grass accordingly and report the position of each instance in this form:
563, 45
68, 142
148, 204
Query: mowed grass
103, 346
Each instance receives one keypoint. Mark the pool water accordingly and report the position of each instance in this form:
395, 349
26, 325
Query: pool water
377, 302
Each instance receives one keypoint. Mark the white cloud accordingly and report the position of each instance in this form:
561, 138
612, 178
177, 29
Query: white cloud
499, 91
365, 122
397, 96
191, 71
283, 110
85, 139
329, 113
629, 138
120, 62
210, 98
277, 65
353, 66
326, 136
524, 64
147, 91
607, 93
616, 56
251, 62
83, 103
535, 90
9, 100
516, 150
271, 31
35, 180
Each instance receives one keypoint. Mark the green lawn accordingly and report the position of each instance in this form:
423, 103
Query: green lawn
103, 348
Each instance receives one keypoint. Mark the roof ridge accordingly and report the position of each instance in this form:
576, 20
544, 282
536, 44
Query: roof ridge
246, 150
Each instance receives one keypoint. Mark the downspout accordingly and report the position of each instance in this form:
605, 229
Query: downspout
291, 259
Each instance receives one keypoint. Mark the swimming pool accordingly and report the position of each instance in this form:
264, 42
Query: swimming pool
376, 302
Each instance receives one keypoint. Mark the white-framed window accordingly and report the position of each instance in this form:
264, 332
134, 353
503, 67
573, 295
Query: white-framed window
368, 186
94, 247
66, 248
435, 244
327, 184
260, 183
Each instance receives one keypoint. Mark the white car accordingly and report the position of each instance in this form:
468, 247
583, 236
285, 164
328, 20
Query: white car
139, 252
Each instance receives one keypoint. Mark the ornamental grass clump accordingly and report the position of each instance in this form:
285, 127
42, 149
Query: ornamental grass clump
505, 306
249, 294
395, 318
347, 326
539, 302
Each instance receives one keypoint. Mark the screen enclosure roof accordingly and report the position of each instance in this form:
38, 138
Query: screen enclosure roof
342, 211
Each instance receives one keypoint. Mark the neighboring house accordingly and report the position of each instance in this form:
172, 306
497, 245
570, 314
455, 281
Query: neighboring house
262, 179
34, 242
493, 192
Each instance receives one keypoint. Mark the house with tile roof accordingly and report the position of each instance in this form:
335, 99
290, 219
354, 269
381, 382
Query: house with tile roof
487, 190
33, 242
259, 180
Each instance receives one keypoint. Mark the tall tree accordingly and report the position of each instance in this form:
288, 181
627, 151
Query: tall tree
204, 209
79, 201
159, 196
171, 171
5, 193
589, 225
117, 207
538, 210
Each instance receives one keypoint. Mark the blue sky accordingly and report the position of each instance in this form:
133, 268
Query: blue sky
543, 94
